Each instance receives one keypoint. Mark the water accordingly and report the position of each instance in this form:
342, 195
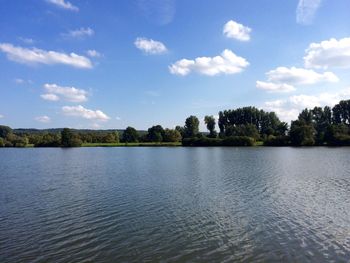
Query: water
175, 205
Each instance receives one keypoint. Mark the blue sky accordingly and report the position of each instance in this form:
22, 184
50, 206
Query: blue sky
111, 64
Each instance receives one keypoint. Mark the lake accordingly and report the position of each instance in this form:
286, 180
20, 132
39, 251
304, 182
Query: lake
175, 204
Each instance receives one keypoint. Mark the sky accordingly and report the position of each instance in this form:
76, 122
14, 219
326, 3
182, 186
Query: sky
112, 64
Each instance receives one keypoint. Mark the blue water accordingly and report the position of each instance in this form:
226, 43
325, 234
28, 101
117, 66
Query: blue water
175, 205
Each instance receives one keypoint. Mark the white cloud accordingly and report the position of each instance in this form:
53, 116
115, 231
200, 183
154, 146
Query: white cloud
328, 53
64, 4
299, 76
227, 63
235, 30
274, 87
80, 111
50, 97
80, 33
150, 46
283, 79
56, 92
35, 56
118, 118
43, 119
93, 53
289, 109
306, 11
1, 116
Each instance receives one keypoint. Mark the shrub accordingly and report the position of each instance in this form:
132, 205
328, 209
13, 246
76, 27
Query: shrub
238, 141
277, 140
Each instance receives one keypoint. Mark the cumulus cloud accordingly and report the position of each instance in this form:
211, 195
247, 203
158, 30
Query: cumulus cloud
71, 94
93, 53
283, 79
328, 53
63, 4
226, 63
274, 87
39, 56
289, 109
80, 33
43, 119
80, 111
235, 30
150, 46
306, 11
299, 76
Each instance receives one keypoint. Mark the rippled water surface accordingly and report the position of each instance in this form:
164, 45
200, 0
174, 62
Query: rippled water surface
175, 205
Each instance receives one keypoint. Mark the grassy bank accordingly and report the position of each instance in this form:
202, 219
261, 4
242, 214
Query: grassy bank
133, 144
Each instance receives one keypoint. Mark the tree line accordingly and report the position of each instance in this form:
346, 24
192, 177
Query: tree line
237, 127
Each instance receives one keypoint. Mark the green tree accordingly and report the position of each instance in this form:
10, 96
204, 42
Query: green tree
210, 122
172, 136
2, 143
302, 133
191, 127
70, 139
116, 136
130, 135
4, 131
181, 130
155, 133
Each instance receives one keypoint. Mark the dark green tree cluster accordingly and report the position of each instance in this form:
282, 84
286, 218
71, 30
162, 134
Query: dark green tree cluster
250, 121
9, 139
322, 126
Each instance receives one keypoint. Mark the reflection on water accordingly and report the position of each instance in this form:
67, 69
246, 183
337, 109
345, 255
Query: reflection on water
175, 204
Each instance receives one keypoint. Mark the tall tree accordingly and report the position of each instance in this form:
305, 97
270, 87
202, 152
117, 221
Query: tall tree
70, 139
210, 122
191, 126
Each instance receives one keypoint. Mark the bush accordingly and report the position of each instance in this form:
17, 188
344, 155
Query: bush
229, 141
340, 140
277, 140
238, 141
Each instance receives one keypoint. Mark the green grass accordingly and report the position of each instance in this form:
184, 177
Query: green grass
259, 143
132, 144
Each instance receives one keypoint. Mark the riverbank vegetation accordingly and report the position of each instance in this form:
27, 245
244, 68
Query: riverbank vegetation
247, 126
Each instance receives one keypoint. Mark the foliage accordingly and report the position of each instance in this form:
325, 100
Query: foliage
280, 140
210, 122
70, 139
191, 128
130, 135
302, 133
4, 131
249, 130
172, 135
229, 141
156, 134
266, 123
